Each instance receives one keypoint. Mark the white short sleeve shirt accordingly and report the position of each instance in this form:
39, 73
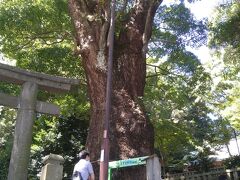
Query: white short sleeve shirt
84, 167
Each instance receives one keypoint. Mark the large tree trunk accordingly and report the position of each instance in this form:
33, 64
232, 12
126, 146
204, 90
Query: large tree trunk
131, 133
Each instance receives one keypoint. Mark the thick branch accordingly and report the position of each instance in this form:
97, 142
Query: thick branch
78, 11
48, 38
148, 25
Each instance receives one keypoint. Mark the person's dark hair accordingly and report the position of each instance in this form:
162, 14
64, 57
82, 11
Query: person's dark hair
83, 154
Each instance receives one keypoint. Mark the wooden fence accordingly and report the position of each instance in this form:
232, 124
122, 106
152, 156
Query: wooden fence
214, 174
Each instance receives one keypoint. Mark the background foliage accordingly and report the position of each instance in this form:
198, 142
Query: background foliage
232, 162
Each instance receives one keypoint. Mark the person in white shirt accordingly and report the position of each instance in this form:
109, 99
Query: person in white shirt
83, 170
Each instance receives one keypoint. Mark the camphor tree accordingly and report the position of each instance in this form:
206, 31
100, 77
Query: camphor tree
131, 133
34, 29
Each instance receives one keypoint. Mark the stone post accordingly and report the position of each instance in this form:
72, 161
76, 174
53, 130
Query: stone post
153, 168
23, 132
53, 167
235, 173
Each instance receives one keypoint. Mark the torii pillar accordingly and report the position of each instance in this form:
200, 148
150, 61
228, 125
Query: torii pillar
28, 105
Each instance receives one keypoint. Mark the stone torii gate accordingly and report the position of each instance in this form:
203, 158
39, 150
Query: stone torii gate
27, 106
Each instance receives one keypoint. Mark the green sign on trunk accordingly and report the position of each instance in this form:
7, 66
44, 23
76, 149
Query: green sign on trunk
126, 163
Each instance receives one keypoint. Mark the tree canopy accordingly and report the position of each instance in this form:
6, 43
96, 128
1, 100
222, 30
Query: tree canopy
225, 42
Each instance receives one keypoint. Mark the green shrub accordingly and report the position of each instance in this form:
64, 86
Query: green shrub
232, 162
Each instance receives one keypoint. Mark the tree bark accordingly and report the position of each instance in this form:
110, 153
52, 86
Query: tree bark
131, 133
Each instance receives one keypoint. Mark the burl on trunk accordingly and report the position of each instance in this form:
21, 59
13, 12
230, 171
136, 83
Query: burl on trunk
131, 133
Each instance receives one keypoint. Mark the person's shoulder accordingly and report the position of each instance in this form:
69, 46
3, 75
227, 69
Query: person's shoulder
77, 164
89, 163
82, 161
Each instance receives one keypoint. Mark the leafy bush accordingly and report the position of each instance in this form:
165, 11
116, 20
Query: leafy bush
232, 162
66, 136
